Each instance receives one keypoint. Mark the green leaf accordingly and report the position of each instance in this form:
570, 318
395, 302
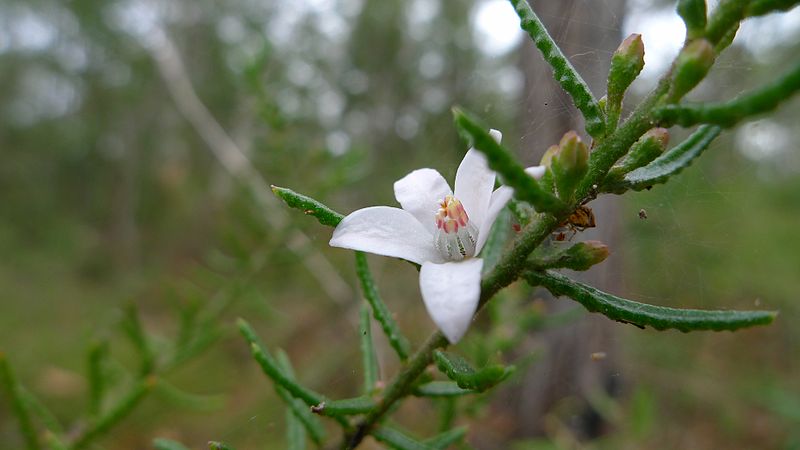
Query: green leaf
300, 410
379, 310
458, 369
398, 440
345, 407
121, 409
498, 236
214, 445
728, 114
693, 13
369, 362
501, 161
167, 444
726, 17
98, 354
38, 409
270, 368
643, 315
309, 206
446, 439
135, 332
563, 72
180, 398
668, 164
295, 433
13, 390
441, 389
762, 7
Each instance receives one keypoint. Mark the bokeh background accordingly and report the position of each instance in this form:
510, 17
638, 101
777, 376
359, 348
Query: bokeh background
122, 182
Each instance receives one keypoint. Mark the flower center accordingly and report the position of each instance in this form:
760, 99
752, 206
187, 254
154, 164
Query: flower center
455, 236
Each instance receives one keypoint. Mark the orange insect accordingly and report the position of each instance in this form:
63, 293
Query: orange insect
580, 219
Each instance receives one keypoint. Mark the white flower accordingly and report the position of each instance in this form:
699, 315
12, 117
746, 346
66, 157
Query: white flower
439, 230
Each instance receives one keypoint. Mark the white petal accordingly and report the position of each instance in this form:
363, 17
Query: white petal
386, 231
420, 193
536, 171
475, 182
500, 198
451, 292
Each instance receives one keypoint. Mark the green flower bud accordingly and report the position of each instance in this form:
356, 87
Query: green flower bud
580, 256
693, 13
646, 149
547, 181
584, 255
569, 164
626, 64
691, 67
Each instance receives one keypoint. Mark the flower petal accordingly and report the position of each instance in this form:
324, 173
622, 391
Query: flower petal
387, 231
420, 193
475, 182
536, 171
500, 198
451, 292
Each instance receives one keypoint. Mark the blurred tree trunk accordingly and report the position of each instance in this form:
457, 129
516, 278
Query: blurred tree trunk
588, 33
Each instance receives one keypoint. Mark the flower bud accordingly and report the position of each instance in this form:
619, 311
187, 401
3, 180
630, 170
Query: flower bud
584, 255
693, 13
691, 67
547, 181
626, 64
646, 149
569, 164
580, 256
649, 147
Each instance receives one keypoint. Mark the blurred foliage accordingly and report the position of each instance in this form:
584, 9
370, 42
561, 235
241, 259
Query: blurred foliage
108, 195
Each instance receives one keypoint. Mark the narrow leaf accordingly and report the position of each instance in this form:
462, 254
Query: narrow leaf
446, 439
728, 114
441, 389
13, 390
54, 442
270, 368
38, 409
132, 326
300, 410
511, 173
398, 440
368, 358
379, 310
167, 444
214, 445
458, 369
180, 398
563, 72
643, 315
116, 413
668, 164
309, 206
295, 433
498, 236
98, 353
345, 407
762, 7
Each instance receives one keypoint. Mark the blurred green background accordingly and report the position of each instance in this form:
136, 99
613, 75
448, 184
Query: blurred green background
120, 182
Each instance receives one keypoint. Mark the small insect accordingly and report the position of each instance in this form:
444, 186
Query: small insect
580, 219
642, 214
